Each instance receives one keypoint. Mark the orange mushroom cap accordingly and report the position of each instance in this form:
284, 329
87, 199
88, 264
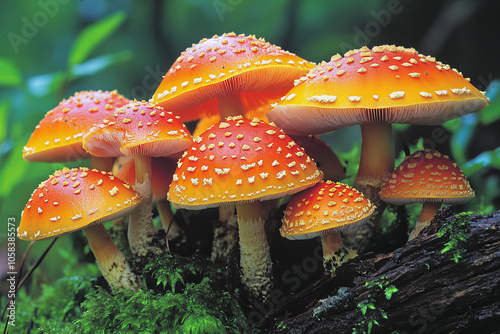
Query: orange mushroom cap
72, 199
162, 170
228, 64
138, 129
58, 136
240, 160
328, 205
385, 84
427, 176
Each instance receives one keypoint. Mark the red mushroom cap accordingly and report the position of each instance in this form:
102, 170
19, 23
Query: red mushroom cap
328, 205
427, 176
72, 199
138, 129
228, 64
385, 84
240, 160
59, 135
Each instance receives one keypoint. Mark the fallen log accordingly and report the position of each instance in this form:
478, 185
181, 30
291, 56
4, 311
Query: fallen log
417, 288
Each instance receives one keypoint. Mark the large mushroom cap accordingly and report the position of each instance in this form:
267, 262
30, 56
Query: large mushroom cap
325, 206
72, 199
223, 65
385, 84
138, 129
427, 176
59, 135
240, 160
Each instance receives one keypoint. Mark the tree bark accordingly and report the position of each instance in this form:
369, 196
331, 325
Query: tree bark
435, 294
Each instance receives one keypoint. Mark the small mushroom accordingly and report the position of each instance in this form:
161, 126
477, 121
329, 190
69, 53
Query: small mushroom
79, 198
244, 162
141, 130
323, 211
58, 136
427, 177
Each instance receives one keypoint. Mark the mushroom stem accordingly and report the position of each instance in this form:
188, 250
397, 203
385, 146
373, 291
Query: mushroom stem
334, 252
167, 218
101, 163
429, 210
377, 158
113, 264
255, 257
141, 229
230, 105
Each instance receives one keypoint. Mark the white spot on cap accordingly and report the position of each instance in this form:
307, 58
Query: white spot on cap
397, 95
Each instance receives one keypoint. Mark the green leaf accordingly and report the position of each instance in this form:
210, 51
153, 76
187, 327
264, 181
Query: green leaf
9, 73
96, 65
483, 161
92, 36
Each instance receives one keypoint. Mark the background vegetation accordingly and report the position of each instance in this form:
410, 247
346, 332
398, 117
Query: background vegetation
52, 48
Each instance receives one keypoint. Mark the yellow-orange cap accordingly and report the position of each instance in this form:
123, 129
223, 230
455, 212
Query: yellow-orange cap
224, 65
240, 160
59, 135
72, 199
385, 84
328, 205
427, 176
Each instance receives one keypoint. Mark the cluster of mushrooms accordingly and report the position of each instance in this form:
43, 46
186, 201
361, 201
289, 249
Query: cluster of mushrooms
260, 109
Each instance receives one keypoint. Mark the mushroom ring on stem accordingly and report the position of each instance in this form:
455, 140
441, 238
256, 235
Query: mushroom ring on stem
74, 199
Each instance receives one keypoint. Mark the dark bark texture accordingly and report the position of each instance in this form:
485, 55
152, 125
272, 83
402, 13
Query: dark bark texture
434, 293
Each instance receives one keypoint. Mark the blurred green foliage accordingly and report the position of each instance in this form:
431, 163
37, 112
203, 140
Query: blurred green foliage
52, 48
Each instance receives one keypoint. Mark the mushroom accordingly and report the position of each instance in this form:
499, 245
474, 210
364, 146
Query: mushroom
323, 211
374, 88
141, 130
228, 75
244, 162
428, 177
79, 198
162, 170
58, 136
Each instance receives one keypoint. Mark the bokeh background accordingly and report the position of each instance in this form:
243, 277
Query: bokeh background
52, 48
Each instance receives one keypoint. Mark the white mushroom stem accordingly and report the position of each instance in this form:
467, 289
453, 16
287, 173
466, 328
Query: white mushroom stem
334, 252
141, 229
377, 158
113, 264
230, 105
429, 210
255, 258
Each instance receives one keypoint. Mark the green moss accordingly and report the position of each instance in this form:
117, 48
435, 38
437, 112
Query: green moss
456, 230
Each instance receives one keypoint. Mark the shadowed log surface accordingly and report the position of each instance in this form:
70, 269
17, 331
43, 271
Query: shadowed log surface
435, 294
